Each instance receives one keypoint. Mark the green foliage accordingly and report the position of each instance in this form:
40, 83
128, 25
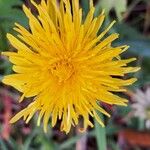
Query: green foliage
10, 12
119, 6
85, 6
2, 145
100, 134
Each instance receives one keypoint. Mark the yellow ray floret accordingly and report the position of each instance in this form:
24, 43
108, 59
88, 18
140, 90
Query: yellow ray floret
66, 66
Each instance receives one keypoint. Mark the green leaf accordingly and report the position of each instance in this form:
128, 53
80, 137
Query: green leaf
120, 6
140, 47
112, 129
139, 44
28, 141
127, 32
113, 144
13, 143
47, 145
10, 12
73, 140
85, 7
2, 145
100, 134
3, 40
106, 4
69, 142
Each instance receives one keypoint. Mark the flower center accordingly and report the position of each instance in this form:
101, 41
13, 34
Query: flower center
63, 70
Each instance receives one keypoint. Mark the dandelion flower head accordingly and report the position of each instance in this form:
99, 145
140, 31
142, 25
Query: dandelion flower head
66, 66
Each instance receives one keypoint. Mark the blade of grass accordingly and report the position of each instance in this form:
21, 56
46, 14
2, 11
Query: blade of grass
73, 140
141, 125
13, 143
113, 144
2, 145
28, 141
100, 134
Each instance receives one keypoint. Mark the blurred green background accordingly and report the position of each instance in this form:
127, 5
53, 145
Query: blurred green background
124, 131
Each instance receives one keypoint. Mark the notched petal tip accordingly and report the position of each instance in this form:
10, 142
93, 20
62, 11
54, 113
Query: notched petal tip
113, 22
1, 53
138, 68
45, 130
82, 130
8, 35
11, 121
132, 59
34, 3
5, 80
103, 12
124, 103
21, 98
91, 3
17, 116
135, 69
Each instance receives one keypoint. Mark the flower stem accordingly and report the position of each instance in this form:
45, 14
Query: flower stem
100, 135
141, 124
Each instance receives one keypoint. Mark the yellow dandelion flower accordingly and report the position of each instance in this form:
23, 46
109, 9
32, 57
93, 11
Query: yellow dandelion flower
65, 65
